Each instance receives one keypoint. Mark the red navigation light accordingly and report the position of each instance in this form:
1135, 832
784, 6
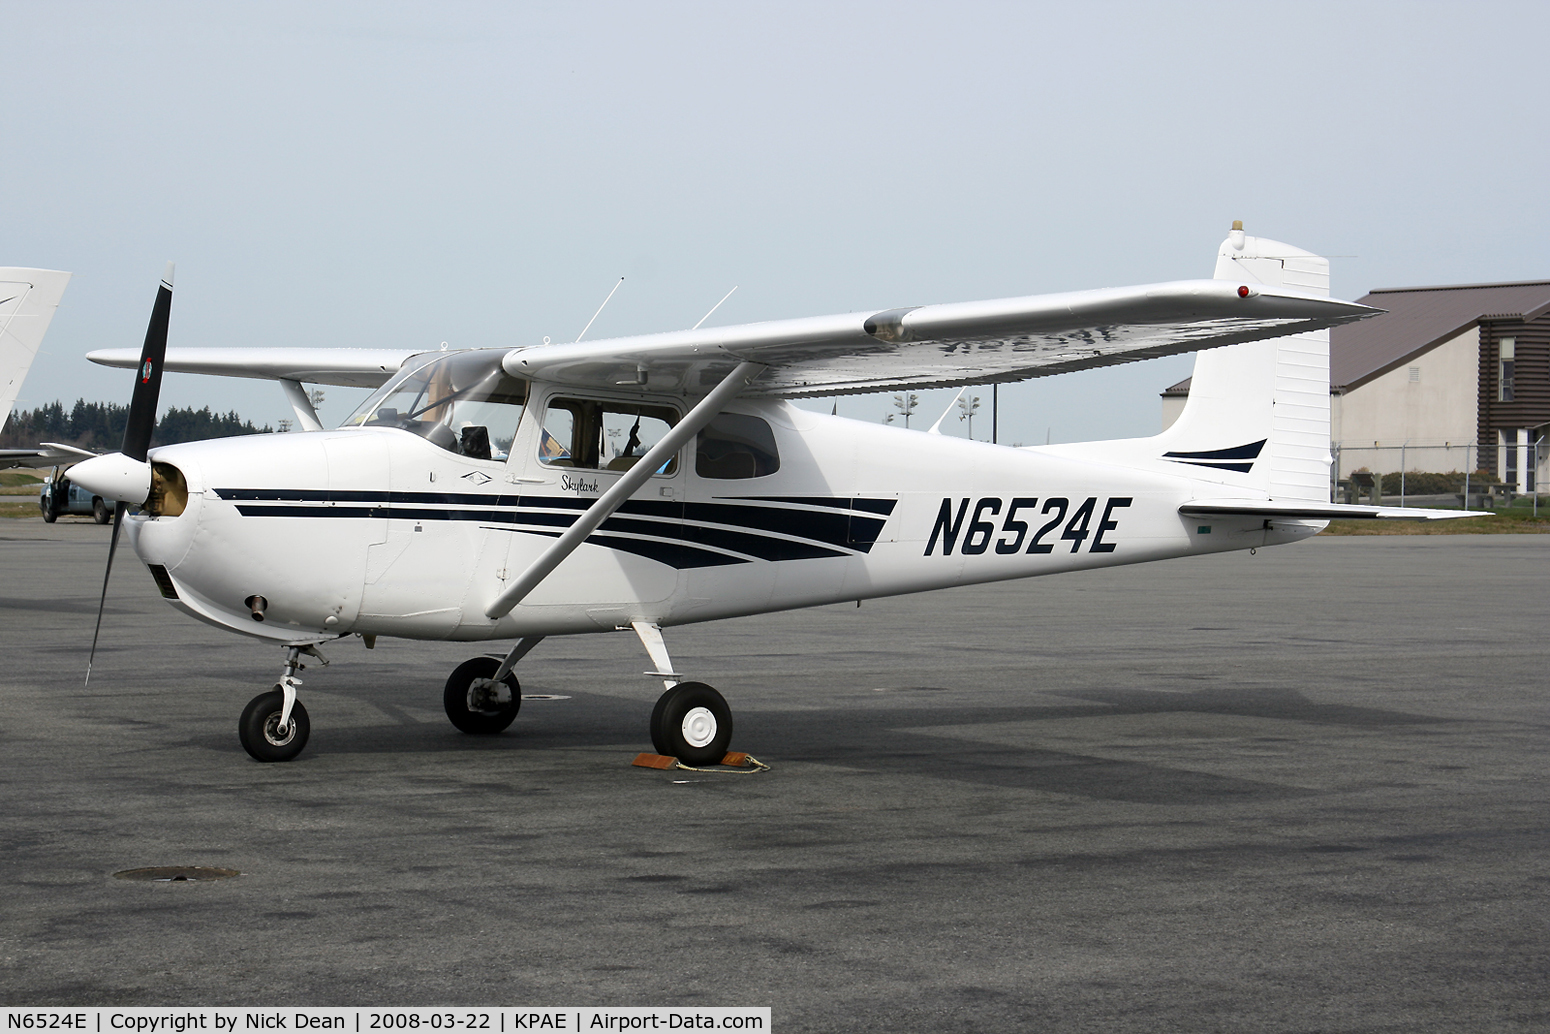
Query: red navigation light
1243, 291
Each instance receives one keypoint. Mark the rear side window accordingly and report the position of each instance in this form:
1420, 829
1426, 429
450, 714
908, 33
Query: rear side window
735, 446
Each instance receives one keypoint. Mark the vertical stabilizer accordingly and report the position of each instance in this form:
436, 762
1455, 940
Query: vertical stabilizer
1257, 417
28, 298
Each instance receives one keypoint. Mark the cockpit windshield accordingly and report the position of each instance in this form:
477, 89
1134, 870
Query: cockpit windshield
463, 402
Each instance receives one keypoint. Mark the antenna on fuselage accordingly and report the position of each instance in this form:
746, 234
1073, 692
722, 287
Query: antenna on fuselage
713, 308
599, 312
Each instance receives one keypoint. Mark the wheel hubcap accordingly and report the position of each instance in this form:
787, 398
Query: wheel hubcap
699, 727
277, 735
486, 696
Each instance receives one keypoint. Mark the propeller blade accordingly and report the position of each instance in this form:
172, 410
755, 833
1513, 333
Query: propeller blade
118, 522
138, 428
142, 405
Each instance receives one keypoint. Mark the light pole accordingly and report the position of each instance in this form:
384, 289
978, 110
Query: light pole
968, 405
906, 404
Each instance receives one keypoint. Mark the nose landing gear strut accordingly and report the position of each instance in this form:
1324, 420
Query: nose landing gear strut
274, 726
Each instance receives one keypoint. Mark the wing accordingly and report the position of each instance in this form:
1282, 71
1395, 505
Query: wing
934, 346
346, 367
929, 346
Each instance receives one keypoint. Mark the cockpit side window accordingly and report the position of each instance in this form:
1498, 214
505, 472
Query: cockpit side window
734, 446
600, 434
464, 402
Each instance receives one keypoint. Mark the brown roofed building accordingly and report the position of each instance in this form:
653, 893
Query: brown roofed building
1449, 378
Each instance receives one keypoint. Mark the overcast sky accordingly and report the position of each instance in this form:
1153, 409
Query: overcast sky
399, 175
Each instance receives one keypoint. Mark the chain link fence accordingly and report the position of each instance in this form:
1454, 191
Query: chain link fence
1418, 474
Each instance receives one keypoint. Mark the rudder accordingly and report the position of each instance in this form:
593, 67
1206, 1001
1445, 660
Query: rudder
1257, 416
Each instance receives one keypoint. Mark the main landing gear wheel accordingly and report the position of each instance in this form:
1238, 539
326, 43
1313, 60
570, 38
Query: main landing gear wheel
476, 703
692, 723
260, 729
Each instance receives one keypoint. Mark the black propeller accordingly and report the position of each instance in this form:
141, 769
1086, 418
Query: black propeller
142, 421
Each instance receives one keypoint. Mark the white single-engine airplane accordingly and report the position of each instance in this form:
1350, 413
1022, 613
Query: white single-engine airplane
645, 482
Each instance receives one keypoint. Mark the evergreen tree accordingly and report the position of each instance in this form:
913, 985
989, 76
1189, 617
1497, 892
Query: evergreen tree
99, 426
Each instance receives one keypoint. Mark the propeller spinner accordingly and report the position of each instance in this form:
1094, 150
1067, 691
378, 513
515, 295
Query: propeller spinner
126, 475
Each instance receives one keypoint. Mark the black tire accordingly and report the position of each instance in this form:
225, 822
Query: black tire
471, 707
258, 728
99, 511
47, 505
692, 723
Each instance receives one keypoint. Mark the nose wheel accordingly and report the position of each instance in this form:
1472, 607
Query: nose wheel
265, 736
274, 726
692, 723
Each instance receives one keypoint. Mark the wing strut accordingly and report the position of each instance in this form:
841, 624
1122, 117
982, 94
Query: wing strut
296, 395
658, 455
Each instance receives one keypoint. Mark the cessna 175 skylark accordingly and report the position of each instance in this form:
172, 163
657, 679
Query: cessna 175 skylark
652, 481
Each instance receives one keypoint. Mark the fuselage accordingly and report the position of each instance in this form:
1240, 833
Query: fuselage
378, 531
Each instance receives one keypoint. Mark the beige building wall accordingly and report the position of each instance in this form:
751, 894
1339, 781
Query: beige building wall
1429, 406
1172, 406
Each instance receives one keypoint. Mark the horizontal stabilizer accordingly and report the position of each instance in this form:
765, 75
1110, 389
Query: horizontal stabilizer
1302, 511
67, 453
49, 454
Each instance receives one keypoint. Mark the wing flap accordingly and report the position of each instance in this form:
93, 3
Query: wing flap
345, 367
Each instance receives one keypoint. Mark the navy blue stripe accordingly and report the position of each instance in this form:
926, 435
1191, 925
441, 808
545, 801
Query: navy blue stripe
863, 533
311, 511
304, 495
841, 531
1241, 468
654, 508
882, 506
672, 554
1238, 452
407, 513
761, 546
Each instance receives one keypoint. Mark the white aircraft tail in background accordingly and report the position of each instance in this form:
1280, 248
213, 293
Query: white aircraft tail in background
28, 298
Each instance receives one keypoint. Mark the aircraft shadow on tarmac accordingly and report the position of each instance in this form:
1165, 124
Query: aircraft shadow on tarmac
83, 606
895, 740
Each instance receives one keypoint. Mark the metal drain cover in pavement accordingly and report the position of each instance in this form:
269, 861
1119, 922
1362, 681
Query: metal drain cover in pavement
176, 874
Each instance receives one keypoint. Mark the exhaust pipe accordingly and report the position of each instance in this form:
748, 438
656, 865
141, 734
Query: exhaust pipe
257, 604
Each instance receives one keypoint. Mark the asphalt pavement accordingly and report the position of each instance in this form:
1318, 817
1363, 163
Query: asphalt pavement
1304, 790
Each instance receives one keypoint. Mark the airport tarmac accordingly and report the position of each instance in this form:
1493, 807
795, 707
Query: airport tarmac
1299, 791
